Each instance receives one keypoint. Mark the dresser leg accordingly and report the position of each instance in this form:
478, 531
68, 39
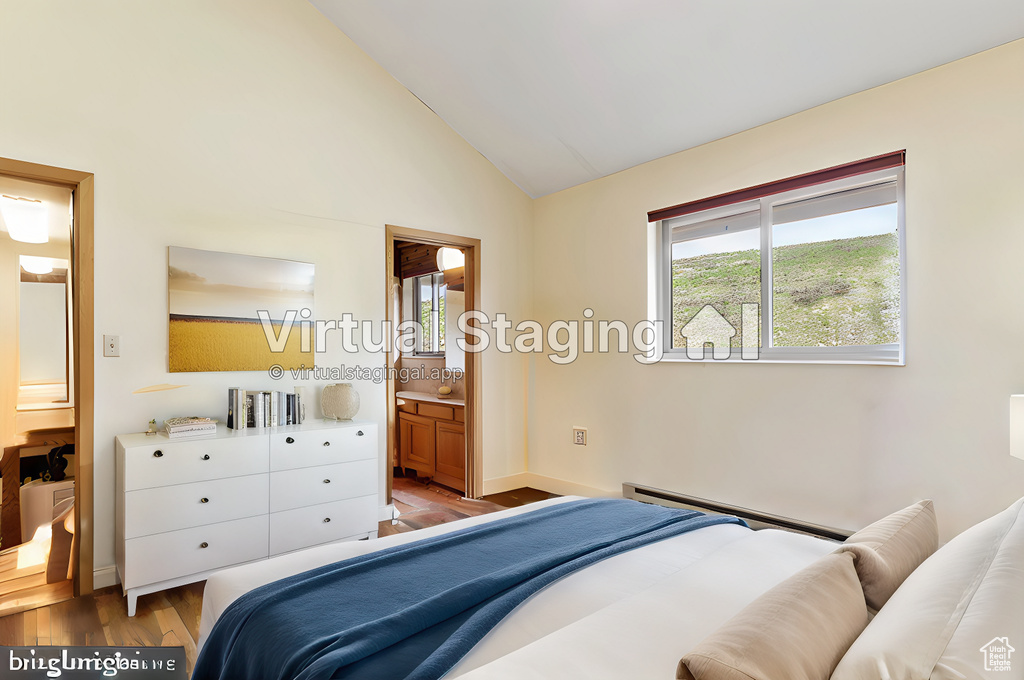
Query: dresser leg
372, 534
133, 600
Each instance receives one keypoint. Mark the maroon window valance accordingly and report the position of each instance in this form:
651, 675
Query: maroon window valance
885, 161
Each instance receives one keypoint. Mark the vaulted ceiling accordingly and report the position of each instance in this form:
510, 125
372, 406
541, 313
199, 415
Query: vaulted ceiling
559, 92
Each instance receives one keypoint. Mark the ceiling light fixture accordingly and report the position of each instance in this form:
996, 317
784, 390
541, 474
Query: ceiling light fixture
450, 258
36, 265
25, 219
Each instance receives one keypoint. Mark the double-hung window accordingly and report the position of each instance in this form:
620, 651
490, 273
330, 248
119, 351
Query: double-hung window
430, 292
807, 269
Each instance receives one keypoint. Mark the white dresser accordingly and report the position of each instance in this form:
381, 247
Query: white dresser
186, 507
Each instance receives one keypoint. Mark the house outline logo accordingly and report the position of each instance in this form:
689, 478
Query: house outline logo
709, 327
997, 653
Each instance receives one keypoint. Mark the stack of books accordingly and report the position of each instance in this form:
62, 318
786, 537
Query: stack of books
263, 409
189, 427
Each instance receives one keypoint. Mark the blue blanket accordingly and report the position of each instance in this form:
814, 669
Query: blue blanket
413, 611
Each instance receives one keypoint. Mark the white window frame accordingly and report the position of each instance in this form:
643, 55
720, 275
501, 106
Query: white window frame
660, 281
436, 281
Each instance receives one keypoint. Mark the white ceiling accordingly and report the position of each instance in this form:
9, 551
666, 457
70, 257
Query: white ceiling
560, 92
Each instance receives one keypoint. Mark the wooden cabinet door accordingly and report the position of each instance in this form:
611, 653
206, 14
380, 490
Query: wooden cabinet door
416, 443
451, 455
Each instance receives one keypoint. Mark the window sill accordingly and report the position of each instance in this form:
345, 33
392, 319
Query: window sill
882, 355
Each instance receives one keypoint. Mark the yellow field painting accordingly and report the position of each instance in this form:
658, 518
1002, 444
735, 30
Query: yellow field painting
224, 345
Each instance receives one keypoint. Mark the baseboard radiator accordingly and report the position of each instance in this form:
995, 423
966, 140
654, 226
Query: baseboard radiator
756, 520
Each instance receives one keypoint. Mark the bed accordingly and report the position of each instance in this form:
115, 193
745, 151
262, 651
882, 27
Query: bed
695, 604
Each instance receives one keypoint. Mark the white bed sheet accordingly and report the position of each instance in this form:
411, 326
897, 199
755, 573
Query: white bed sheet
632, 615
644, 635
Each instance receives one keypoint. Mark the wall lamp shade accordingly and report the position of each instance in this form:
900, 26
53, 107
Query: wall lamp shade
36, 265
450, 258
25, 219
1017, 425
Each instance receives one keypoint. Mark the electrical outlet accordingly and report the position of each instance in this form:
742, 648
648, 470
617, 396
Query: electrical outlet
579, 435
111, 345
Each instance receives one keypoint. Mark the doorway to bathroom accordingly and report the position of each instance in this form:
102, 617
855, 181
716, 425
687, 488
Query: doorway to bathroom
434, 400
46, 390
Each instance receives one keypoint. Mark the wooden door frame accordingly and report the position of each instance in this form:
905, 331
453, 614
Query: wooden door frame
82, 186
474, 377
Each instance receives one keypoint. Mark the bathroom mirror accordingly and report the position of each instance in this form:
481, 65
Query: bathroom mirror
44, 330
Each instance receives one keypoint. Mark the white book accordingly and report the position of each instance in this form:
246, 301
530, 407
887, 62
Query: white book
191, 433
240, 409
192, 428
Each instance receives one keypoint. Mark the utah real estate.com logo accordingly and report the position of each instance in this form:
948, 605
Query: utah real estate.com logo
997, 654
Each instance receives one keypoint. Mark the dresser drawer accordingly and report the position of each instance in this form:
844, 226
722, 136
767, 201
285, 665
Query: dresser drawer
179, 462
151, 559
303, 527
168, 508
322, 447
321, 484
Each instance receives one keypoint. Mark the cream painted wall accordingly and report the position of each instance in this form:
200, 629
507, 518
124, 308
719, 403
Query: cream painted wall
840, 445
256, 128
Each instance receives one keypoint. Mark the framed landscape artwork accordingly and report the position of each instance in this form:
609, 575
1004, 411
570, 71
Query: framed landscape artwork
214, 304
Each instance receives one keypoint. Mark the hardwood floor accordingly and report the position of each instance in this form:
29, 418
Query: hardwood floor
170, 618
423, 506
166, 619
25, 587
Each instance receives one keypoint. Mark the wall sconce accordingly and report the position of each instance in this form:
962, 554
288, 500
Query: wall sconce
450, 258
25, 219
36, 265
1017, 425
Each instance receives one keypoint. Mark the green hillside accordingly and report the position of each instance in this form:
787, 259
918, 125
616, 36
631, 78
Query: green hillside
842, 292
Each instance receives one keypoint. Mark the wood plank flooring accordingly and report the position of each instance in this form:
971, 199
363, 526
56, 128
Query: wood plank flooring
26, 588
170, 618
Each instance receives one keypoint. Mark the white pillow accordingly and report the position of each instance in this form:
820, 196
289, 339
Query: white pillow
938, 624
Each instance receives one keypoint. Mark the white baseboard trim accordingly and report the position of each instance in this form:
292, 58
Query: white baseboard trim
503, 484
104, 577
386, 513
561, 487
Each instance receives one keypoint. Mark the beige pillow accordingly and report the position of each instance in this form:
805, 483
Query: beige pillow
798, 630
887, 551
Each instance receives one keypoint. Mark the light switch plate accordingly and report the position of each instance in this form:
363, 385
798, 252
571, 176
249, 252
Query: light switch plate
111, 345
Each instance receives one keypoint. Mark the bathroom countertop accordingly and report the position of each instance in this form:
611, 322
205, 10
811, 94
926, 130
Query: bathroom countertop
432, 398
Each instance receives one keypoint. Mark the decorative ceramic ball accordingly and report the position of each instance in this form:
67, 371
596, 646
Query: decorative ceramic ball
339, 401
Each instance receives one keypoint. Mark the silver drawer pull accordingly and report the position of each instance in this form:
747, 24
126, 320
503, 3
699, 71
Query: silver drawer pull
289, 440
204, 544
327, 443
359, 433
327, 519
327, 481
204, 500
158, 454
206, 456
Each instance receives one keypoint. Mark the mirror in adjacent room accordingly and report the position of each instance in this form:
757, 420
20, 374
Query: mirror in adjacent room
37, 361
44, 327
